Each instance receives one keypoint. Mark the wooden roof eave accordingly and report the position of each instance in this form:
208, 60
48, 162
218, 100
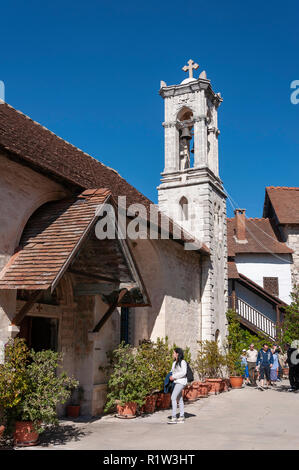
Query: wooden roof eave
244, 280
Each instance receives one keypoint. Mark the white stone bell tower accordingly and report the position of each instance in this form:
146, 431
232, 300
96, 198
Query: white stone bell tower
191, 191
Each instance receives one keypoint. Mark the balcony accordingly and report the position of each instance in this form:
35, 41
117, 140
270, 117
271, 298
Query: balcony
252, 318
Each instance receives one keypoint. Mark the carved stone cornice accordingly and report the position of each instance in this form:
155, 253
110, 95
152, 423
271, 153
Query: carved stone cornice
213, 130
166, 125
191, 87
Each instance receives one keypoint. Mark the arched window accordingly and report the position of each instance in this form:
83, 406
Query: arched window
185, 124
184, 208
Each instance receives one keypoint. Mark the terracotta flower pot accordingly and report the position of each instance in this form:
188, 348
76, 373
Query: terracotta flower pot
150, 404
214, 386
127, 410
25, 434
191, 392
2, 429
203, 390
73, 411
236, 381
163, 401
223, 385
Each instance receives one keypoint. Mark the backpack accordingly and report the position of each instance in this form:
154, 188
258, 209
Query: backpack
190, 376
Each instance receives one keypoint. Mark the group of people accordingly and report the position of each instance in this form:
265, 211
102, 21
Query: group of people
267, 364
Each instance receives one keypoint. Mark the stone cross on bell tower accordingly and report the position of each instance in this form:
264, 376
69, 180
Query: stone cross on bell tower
190, 67
191, 191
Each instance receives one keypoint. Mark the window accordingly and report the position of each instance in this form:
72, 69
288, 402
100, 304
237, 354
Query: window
183, 208
124, 324
271, 285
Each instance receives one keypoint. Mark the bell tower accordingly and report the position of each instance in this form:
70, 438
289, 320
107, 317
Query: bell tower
191, 192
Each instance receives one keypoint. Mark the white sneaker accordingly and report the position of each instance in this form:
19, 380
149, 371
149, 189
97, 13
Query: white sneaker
181, 419
172, 420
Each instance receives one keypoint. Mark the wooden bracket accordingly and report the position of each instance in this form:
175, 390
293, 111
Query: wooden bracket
110, 310
25, 309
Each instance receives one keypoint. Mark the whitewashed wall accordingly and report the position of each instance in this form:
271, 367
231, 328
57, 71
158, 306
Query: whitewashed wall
257, 266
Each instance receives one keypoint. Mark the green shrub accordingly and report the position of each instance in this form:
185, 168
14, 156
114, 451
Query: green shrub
128, 380
210, 361
135, 373
30, 388
289, 328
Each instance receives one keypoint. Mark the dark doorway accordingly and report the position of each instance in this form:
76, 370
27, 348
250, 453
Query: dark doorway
124, 324
40, 333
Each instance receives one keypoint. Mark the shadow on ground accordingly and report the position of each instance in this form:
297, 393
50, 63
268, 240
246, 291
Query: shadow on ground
61, 434
284, 388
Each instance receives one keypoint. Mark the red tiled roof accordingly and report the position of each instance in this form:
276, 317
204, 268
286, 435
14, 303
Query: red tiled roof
232, 270
50, 240
25, 139
285, 202
260, 236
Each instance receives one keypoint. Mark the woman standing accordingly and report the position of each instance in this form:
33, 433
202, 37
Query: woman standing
245, 365
179, 378
274, 368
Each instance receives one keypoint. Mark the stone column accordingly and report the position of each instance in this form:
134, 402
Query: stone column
200, 141
171, 147
7, 312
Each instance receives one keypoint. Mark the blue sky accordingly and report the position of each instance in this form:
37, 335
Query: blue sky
90, 71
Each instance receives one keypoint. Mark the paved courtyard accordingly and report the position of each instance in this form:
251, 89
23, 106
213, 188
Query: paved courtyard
238, 419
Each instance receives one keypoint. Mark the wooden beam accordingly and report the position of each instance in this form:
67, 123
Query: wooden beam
278, 316
234, 299
25, 309
109, 312
94, 276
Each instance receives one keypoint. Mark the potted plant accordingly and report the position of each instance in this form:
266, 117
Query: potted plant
209, 365
156, 360
127, 382
35, 389
235, 368
73, 410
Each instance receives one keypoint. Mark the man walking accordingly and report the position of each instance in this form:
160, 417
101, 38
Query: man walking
264, 362
293, 363
251, 355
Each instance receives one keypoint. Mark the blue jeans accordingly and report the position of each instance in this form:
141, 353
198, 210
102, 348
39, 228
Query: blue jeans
177, 395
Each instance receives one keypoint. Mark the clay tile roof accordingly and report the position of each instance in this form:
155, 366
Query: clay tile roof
260, 236
232, 270
285, 202
33, 144
49, 241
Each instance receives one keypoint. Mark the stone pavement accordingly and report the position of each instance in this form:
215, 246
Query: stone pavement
238, 419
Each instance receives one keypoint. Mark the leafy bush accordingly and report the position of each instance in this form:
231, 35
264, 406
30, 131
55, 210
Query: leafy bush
209, 361
14, 381
127, 382
289, 329
155, 360
30, 388
46, 388
238, 339
135, 373
233, 363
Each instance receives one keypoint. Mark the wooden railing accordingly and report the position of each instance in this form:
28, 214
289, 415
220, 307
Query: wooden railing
255, 318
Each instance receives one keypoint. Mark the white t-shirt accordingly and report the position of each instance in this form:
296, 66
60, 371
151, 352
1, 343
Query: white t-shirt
251, 355
179, 372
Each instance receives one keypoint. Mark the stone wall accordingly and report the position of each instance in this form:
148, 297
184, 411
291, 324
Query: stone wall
172, 279
291, 237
